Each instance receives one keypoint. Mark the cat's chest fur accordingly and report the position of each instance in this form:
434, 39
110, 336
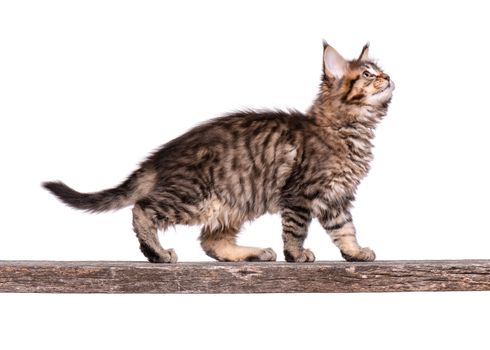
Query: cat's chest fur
345, 160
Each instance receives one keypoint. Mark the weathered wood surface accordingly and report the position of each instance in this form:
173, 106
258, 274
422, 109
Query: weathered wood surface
214, 277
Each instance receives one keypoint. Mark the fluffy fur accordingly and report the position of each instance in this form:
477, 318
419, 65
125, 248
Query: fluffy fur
238, 167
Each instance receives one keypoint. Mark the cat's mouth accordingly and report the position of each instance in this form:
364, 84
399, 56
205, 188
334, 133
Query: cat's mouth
390, 86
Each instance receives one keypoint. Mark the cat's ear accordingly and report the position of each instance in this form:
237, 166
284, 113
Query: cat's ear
364, 53
334, 65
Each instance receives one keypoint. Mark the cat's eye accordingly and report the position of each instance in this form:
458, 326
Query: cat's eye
366, 74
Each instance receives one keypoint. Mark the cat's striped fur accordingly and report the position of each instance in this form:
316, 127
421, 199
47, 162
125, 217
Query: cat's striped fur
233, 169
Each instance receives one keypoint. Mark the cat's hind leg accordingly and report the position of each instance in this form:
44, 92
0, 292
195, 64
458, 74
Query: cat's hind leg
146, 229
220, 244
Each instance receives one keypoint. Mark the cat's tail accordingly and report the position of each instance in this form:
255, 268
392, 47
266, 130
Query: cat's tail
137, 185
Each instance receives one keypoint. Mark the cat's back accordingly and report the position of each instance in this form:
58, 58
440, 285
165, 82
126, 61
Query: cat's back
240, 135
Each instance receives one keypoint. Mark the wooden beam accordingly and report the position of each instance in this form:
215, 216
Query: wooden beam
214, 277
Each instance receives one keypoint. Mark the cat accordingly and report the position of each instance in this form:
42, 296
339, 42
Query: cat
238, 167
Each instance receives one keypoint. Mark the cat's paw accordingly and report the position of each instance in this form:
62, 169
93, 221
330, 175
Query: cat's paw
300, 256
364, 254
165, 256
266, 254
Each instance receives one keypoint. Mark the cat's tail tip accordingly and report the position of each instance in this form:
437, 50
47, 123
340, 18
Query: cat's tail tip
136, 186
66, 194
53, 186
92, 202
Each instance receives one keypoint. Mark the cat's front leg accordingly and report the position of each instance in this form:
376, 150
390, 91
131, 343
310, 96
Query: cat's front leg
343, 234
295, 222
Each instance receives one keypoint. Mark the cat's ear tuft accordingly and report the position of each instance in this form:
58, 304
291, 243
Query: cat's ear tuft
334, 65
364, 56
325, 44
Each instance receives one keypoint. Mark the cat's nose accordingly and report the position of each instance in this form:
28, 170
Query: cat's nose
385, 76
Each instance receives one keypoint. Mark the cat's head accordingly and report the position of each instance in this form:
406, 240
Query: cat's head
359, 81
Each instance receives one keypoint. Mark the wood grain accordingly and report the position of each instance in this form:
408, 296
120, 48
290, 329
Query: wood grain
214, 277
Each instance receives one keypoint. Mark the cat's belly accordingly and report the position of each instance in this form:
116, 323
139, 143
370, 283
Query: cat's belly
217, 212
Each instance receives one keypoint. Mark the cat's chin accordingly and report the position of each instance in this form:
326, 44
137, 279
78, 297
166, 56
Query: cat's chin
391, 86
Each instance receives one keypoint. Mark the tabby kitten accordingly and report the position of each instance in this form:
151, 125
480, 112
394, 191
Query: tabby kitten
238, 167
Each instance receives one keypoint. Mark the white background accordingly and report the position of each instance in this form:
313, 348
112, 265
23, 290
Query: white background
89, 88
